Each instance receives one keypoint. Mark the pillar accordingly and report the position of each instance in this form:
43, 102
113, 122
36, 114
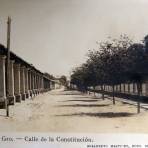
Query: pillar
42, 83
2, 82
22, 78
17, 91
26, 83
39, 83
35, 84
40, 88
30, 83
11, 96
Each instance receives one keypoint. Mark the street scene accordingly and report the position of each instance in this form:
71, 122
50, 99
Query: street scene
70, 111
74, 66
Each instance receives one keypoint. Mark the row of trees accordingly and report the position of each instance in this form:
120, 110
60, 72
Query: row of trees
63, 80
116, 61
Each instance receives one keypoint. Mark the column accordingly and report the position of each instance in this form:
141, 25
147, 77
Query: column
30, 83
42, 84
11, 96
22, 78
17, 91
2, 82
48, 85
26, 83
35, 84
39, 83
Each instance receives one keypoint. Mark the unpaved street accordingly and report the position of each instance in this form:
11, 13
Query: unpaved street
70, 111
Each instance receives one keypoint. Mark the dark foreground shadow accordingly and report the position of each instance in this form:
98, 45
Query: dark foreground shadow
67, 94
93, 100
90, 97
83, 105
100, 115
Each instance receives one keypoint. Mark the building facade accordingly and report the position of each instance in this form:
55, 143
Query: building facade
25, 81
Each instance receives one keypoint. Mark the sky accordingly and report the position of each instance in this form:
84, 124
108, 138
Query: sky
55, 35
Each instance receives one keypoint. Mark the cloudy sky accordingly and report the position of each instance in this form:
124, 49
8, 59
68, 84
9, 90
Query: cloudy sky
55, 35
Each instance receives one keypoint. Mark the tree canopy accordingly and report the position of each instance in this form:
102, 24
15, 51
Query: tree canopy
115, 61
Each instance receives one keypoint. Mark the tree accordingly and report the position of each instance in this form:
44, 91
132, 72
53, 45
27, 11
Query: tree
77, 78
117, 61
136, 63
49, 75
145, 41
63, 80
112, 58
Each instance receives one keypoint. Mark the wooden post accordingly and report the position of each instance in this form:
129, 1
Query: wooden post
8, 67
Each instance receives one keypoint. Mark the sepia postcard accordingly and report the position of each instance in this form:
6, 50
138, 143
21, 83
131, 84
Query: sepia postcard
74, 73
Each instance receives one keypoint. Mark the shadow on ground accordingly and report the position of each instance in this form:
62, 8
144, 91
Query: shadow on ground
79, 100
66, 94
90, 97
83, 105
100, 115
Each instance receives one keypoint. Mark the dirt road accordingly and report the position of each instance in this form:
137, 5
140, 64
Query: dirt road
70, 111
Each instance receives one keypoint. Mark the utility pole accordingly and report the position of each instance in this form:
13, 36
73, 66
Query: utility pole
8, 66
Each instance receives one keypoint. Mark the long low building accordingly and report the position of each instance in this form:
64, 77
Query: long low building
25, 81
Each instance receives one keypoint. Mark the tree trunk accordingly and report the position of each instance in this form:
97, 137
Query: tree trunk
94, 91
85, 89
113, 95
89, 91
102, 92
139, 89
120, 87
